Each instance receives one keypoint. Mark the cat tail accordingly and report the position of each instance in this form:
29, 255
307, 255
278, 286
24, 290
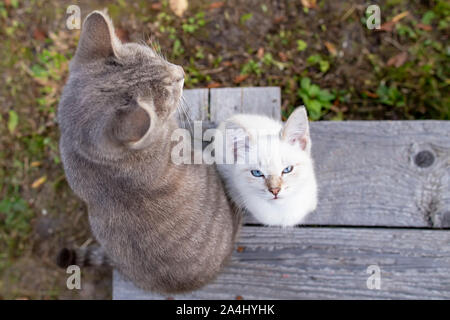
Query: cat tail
83, 257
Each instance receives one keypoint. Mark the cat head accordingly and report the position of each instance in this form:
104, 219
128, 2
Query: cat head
282, 163
118, 95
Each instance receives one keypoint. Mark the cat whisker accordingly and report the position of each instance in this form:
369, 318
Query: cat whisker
185, 109
155, 47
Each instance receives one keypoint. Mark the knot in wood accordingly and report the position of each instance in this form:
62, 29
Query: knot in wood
424, 159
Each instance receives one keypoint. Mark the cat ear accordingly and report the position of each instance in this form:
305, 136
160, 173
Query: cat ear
132, 126
98, 39
296, 129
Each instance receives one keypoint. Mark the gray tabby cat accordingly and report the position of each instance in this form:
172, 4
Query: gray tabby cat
166, 227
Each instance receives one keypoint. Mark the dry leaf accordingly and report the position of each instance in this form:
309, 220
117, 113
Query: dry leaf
216, 5
39, 34
213, 85
331, 48
178, 6
425, 27
370, 94
240, 249
335, 108
35, 164
260, 53
279, 19
283, 56
389, 26
240, 78
400, 16
398, 60
239, 298
156, 6
310, 4
39, 182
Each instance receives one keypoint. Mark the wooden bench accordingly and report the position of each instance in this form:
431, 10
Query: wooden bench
384, 202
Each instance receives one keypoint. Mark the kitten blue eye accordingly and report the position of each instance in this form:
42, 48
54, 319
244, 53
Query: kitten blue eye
257, 173
288, 169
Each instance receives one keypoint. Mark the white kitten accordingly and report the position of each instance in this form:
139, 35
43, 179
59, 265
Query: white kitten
279, 186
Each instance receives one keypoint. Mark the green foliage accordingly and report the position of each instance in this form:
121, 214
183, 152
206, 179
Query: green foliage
15, 217
49, 65
3, 11
301, 45
285, 37
177, 49
251, 67
13, 121
406, 31
268, 59
316, 100
428, 17
417, 87
245, 17
194, 76
390, 96
318, 60
194, 23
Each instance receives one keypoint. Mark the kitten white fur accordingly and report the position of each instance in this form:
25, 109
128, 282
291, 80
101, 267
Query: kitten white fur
277, 148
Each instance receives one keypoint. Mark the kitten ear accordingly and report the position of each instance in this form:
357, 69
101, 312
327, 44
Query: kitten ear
132, 127
296, 129
98, 39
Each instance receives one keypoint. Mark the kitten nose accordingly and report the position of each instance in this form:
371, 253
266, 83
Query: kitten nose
274, 191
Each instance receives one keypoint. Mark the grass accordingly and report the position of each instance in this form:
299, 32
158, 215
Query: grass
14, 225
316, 100
324, 58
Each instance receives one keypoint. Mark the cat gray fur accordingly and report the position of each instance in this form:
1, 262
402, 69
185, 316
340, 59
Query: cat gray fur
166, 227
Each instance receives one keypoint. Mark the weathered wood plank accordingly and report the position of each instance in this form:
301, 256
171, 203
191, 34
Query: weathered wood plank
264, 101
370, 173
195, 106
197, 103
326, 263
224, 102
